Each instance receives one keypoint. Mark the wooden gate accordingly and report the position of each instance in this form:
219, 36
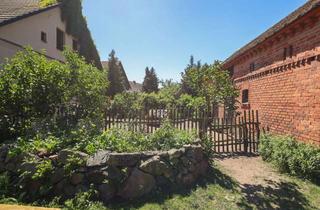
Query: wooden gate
238, 134
229, 135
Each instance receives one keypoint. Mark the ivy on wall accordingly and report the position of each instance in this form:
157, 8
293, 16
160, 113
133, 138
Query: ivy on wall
77, 27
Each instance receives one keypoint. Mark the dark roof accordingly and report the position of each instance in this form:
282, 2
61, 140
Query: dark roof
135, 87
12, 10
307, 7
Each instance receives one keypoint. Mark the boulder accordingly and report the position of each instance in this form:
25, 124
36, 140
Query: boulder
113, 173
76, 178
137, 185
175, 153
106, 192
97, 176
65, 154
57, 175
98, 159
156, 167
123, 159
195, 152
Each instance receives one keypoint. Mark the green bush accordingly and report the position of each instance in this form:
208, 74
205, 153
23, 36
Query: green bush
34, 88
291, 156
116, 140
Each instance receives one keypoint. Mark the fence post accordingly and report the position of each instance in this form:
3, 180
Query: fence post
245, 132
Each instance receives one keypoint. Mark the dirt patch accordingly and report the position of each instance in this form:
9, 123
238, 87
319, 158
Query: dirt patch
248, 170
262, 187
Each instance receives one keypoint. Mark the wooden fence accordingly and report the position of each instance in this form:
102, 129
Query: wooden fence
236, 134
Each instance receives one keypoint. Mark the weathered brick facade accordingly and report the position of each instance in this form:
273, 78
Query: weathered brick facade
281, 70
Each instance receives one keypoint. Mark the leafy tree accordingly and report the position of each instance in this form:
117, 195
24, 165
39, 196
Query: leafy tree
115, 75
151, 82
211, 82
33, 89
186, 88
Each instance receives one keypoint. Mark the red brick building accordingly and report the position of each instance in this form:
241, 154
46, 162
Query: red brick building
278, 73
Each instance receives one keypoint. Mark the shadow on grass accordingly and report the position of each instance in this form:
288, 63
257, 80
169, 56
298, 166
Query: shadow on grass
274, 195
214, 176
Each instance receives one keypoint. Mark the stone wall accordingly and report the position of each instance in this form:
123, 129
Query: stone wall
114, 175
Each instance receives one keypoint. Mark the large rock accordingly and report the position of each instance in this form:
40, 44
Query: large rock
76, 178
156, 167
137, 185
123, 159
195, 152
106, 192
98, 159
97, 176
103, 158
57, 175
176, 153
65, 154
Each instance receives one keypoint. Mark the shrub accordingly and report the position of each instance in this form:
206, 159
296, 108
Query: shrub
34, 88
167, 137
116, 140
291, 156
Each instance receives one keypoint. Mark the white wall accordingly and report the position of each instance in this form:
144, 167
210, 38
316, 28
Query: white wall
28, 32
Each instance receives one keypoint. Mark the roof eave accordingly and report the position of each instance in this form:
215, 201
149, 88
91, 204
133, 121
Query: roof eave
17, 18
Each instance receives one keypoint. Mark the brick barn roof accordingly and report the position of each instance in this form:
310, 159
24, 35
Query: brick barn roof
306, 8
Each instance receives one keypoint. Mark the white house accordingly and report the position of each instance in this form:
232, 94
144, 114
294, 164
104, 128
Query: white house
24, 23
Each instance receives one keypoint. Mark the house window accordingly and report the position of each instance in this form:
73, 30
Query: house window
44, 37
60, 39
231, 71
245, 96
290, 51
284, 53
75, 45
252, 67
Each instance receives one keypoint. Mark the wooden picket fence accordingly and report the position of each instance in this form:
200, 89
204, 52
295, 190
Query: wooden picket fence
229, 135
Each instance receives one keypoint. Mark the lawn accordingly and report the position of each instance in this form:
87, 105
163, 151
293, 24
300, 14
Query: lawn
219, 191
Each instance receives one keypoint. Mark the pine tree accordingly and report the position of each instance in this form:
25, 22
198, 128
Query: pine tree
151, 82
114, 75
185, 81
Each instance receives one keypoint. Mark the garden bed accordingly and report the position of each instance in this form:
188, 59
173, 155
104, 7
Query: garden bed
112, 175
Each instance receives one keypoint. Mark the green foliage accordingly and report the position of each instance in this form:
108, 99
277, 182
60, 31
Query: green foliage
83, 201
45, 3
212, 83
119, 140
291, 156
43, 169
208, 145
151, 82
4, 184
167, 137
34, 88
73, 162
116, 75
78, 27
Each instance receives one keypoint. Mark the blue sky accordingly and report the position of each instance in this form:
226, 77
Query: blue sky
164, 33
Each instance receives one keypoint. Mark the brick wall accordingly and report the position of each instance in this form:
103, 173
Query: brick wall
286, 92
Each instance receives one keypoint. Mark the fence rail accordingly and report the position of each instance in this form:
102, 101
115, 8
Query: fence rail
234, 134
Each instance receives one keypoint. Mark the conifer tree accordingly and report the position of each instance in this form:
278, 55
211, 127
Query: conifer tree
151, 82
114, 75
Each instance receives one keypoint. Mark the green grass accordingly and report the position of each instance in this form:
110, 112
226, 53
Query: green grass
219, 191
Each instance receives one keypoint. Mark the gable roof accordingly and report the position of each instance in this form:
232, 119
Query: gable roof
13, 10
306, 8
135, 87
